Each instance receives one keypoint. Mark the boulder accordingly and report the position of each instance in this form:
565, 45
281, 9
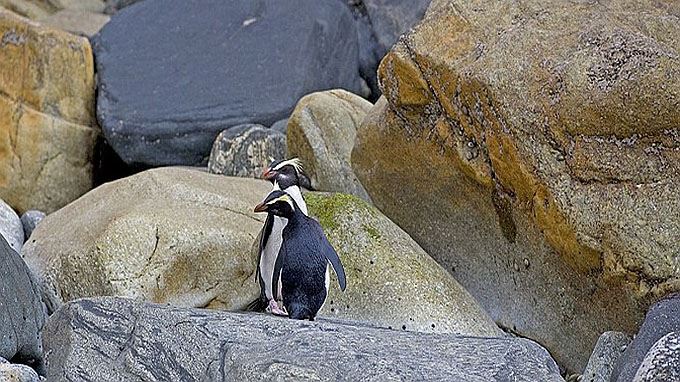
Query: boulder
10, 227
113, 6
391, 281
32, 9
535, 144
77, 21
112, 339
165, 94
166, 235
47, 125
22, 314
321, 132
17, 372
662, 362
662, 318
246, 150
281, 125
607, 351
30, 220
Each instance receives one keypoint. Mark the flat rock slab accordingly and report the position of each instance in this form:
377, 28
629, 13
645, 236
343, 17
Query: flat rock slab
111, 339
174, 73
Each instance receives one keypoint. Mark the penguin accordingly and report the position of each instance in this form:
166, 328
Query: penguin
301, 267
286, 175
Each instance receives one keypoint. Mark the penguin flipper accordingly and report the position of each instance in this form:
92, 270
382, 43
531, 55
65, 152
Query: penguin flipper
278, 266
332, 256
262, 238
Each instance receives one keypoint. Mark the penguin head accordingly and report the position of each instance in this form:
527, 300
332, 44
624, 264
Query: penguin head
287, 173
278, 203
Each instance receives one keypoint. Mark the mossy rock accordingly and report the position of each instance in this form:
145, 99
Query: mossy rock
391, 281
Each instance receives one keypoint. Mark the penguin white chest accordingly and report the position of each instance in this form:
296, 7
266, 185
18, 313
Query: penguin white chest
269, 254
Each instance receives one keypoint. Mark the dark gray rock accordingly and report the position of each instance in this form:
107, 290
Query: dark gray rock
113, 6
195, 68
10, 372
379, 24
30, 220
661, 319
662, 362
608, 349
123, 340
22, 313
10, 226
281, 126
246, 150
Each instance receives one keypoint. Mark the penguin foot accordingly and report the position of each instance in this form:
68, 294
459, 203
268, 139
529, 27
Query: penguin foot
276, 310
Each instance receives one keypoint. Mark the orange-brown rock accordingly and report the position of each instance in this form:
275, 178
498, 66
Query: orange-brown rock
47, 125
533, 148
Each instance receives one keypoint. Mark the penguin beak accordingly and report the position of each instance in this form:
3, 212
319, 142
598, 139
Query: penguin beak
268, 174
262, 207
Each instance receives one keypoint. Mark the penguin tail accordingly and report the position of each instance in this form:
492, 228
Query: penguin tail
257, 305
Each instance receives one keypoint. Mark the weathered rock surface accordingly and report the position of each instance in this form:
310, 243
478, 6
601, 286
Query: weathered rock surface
22, 314
662, 362
391, 281
77, 21
539, 141
113, 6
246, 150
281, 125
607, 351
39, 9
16, 372
379, 25
47, 126
662, 318
29, 220
10, 227
86, 340
321, 132
166, 235
153, 113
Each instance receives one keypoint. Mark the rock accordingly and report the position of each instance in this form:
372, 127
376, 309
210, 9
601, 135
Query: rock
30, 220
22, 314
47, 125
662, 362
281, 126
608, 349
166, 235
87, 340
391, 281
153, 113
113, 6
10, 227
77, 21
32, 9
535, 145
92, 6
321, 132
379, 25
17, 372
662, 318
246, 150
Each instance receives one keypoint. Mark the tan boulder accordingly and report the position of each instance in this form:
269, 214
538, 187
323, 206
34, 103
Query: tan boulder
40, 9
47, 125
533, 148
391, 281
166, 235
321, 132
77, 21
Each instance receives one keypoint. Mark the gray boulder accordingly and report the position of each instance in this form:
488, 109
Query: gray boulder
113, 6
165, 94
30, 220
10, 226
10, 372
112, 339
22, 314
662, 362
246, 150
608, 349
661, 319
281, 125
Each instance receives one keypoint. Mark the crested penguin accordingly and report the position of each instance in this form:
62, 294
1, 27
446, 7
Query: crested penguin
289, 176
301, 267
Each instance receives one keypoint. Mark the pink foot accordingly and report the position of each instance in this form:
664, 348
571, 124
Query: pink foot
275, 309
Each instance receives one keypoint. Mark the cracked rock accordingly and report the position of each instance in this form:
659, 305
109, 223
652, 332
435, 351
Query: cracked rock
86, 340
